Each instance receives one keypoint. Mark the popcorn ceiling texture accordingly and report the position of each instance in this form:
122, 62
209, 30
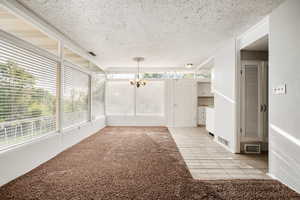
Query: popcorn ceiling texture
169, 33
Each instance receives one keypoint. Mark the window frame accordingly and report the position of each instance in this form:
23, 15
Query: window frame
60, 63
93, 116
78, 68
10, 38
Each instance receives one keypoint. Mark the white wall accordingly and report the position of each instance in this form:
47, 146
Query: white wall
136, 120
284, 135
224, 89
23, 158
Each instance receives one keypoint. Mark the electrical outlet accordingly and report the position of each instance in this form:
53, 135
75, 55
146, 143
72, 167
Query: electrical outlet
281, 89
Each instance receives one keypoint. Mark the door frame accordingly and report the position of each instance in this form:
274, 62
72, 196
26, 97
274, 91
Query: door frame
256, 32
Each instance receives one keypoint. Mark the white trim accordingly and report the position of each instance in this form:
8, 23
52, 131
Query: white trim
253, 34
237, 117
77, 67
225, 97
59, 85
278, 179
207, 61
29, 141
256, 32
285, 134
90, 99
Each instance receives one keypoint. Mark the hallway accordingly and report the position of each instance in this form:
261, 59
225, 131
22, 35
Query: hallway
207, 160
130, 163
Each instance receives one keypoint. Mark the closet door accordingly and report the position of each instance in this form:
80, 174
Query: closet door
250, 103
254, 101
185, 103
263, 101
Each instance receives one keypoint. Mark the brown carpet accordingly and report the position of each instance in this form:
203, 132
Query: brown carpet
130, 163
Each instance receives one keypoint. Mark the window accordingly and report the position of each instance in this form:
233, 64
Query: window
119, 98
120, 76
124, 99
181, 75
76, 96
154, 75
27, 94
146, 104
98, 84
203, 74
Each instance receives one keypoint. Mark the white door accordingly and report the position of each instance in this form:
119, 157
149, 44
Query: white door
254, 101
185, 103
263, 101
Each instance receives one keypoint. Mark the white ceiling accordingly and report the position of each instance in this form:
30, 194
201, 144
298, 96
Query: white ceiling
168, 33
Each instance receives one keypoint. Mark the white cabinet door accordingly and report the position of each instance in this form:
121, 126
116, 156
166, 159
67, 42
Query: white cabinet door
185, 103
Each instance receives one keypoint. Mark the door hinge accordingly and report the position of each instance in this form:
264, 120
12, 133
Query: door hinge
241, 71
241, 130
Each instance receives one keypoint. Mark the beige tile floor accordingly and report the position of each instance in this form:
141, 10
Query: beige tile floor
207, 160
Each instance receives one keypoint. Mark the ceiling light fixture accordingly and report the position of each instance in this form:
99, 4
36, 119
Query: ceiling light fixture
138, 82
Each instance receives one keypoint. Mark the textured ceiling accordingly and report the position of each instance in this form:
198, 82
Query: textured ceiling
169, 33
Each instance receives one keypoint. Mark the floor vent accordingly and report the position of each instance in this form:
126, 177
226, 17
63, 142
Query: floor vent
252, 148
223, 141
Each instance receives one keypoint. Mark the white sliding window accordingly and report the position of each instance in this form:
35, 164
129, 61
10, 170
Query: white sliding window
98, 88
76, 97
27, 94
119, 98
150, 99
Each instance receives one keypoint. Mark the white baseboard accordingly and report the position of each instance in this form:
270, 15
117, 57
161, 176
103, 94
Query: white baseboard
277, 179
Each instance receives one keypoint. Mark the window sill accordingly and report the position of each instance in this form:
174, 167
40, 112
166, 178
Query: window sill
28, 142
75, 127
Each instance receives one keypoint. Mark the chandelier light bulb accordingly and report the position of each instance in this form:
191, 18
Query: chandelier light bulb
138, 82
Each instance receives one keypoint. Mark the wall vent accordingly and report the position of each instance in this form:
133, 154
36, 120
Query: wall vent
252, 148
223, 141
92, 53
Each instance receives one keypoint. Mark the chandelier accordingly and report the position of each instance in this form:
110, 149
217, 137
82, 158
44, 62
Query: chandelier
138, 82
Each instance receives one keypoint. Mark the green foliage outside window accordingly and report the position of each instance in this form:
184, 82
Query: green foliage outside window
20, 98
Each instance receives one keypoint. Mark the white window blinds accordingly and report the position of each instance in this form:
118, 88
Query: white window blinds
27, 94
98, 84
76, 94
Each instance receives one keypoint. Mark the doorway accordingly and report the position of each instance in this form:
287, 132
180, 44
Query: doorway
253, 98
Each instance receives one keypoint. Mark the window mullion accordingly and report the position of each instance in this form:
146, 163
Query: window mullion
60, 81
90, 100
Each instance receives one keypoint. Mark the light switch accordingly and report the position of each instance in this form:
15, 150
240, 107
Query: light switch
281, 89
